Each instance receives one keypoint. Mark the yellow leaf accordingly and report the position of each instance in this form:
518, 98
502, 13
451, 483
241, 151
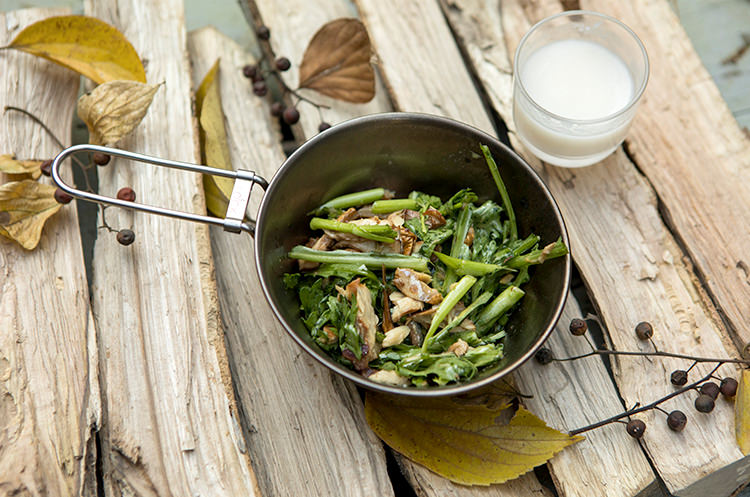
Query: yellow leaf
10, 165
87, 45
114, 109
496, 395
213, 138
24, 208
216, 201
742, 412
337, 62
463, 442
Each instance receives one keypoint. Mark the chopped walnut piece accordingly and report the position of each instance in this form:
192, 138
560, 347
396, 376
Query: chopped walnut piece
389, 378
395, 336
469, 236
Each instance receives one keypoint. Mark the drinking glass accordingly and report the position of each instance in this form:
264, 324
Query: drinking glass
564, 138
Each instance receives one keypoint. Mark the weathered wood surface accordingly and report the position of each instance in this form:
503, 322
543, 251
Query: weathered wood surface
286, 21
635, 475
170, 420
293, 23
305, 427
685, 139
650, 272
49, 399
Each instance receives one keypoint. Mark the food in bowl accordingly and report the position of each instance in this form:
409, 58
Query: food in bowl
415, 291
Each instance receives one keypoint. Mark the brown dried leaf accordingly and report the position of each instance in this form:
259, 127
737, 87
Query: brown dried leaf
87, 45
337, 62
463, 442
24, 208
11, 165
114, 109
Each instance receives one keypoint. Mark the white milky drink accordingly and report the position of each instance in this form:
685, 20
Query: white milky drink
573, 96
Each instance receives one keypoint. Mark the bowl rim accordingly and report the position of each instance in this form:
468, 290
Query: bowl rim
432, 391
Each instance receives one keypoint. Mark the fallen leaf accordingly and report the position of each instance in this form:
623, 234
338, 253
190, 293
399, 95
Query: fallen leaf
213, 138
742, 412
496, 395
213, 133
463, 442
86, 45
216, 202
337, 62
114, 109
10, 165
24, 208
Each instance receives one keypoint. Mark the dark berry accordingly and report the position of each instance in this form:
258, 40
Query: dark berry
101, 159
704, 403
62, 197
644, 330
679, 377
263, 33
636, 428
250, 70
258, 76
260, 88
126, 193
46, 167
277, 108
578, 327
711, 389
323, 126
290, 115
125, 237
282, 64
728, 387
676, 420
544, 356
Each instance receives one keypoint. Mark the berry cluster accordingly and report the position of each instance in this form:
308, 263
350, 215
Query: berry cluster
257, 73
708, 391
124, 236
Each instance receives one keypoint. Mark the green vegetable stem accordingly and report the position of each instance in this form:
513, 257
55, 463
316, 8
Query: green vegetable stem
376, 232
393, 205
448, 303
351, 200
369, 259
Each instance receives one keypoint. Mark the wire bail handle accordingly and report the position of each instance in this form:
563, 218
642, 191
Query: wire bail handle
234, 221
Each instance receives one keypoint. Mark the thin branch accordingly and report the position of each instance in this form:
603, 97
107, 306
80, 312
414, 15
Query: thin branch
647, 407
652, 354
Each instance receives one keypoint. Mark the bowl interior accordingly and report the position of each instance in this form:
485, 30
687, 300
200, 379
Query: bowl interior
405, 152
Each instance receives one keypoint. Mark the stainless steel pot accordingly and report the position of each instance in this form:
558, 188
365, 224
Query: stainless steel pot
401, 152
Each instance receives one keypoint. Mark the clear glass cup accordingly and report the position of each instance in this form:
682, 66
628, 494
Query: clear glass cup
558, 138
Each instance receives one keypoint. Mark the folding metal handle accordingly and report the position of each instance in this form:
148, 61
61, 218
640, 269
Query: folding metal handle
234, 221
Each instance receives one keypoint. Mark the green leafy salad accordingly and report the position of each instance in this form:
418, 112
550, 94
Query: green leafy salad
414, 291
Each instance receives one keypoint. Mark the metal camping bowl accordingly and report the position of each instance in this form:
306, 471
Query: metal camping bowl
401, 152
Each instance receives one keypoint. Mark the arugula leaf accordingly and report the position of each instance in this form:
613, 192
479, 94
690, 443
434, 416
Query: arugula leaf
431, 237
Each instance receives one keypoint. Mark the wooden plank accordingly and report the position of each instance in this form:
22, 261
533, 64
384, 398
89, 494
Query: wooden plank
422, 64
170, 421
697, 158
293, 24
49, 399
650, 272
631, 464
324, 449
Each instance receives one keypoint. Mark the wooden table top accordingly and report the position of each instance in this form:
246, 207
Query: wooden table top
160, 379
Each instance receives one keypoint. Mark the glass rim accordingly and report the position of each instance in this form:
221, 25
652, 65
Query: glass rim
636, 95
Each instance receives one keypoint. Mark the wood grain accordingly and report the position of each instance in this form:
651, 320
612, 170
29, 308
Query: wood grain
170, 423
293, 23
685, 140
641, 260
49, 399
305, 428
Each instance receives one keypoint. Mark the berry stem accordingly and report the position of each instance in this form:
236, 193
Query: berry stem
657, 353
294, 92
652, 405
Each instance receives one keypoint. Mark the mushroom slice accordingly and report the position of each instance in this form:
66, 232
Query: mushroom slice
324, 242
414, 284
404, 306
366, 322
433, 218
395, 336
389, 378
